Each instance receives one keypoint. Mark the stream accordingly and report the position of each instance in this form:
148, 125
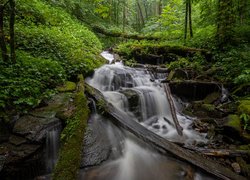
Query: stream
114, 153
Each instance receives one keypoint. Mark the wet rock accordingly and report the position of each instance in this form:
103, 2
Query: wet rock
244, 107
34, 128
211, 98
193, 90
2, 161
232, 127
4, 133
236, 167
156, 126
134, 102
17, 140
98, 146
177, 74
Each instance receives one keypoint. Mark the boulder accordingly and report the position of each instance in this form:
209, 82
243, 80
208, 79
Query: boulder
2, 161
34, 128
193, 90
67, 87
232, 126
4, 133
244, 106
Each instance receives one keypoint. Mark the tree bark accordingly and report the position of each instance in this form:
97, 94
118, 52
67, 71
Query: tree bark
12, 32
2, 39
178, 127
123, 120
186, 21
190, 18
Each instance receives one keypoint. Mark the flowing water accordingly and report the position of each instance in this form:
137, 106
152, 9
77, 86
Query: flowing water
134, 92
52, 147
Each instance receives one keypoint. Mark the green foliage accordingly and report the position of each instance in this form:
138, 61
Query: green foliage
243, 78
245, 119
234, 64
28, 81
49, 32
196, 63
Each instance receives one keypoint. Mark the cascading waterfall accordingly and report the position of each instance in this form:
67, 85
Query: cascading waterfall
133, 92
115, 80
52, 147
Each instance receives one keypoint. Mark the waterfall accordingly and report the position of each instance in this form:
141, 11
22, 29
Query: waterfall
52, 147
134, 94
153, 111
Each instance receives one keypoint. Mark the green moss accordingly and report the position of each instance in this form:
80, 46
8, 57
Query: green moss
244, 107
208, 107
234, 122
72, 138
211, 97
67, 87
245, 147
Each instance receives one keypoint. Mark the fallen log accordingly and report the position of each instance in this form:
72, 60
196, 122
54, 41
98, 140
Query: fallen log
219, 152
123, 120
178, 127
101, 30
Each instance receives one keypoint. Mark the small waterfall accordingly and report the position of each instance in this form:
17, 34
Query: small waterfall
133, 93
153, 109
52, 147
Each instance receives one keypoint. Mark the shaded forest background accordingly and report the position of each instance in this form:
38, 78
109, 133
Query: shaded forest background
46, 42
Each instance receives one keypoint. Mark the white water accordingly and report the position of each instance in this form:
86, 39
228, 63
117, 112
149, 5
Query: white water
52, 148
154, 112
140, 162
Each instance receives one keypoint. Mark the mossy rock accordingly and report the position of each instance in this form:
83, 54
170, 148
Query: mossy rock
208, 107
244, 107
234, 122
212, 98
67, 87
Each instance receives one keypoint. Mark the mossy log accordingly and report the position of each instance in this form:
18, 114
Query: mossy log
123, 120
100, 30
220, 152
155, 53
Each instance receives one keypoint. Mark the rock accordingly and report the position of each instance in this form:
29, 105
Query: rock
244, 106
4, 133
67, 87
100, 142
193, 90
233, 121
236, 167
34, 128
134, 102
17, 140
2, 161
211, 98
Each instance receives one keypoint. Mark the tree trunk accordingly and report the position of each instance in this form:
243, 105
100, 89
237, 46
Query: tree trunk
190, 18
2, 39
124, 121
140, 12
12, 32
186, 21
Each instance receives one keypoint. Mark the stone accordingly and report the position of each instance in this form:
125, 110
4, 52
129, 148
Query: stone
236, 167
34, 128
211, 98
4, 133
17, 140
2, 161
67, 87
244, 106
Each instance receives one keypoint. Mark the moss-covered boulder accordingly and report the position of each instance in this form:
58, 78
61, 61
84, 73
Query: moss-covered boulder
67, 87
211, 98
244, 107
72, 138
232, 127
